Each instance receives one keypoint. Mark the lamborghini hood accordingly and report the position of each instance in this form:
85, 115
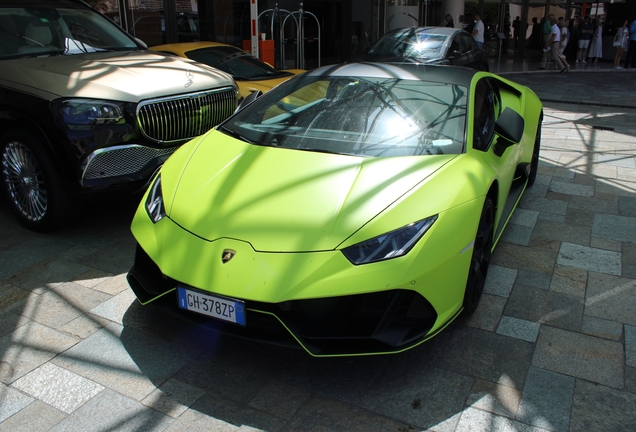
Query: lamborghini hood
282, 200
128, 77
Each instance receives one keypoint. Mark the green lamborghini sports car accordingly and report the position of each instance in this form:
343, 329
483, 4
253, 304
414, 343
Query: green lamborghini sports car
351, 210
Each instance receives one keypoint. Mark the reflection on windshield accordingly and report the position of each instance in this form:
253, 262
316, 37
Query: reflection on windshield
236, 62
357, 116
409, 43
30, 32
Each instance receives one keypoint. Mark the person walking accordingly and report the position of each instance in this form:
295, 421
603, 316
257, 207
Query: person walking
631, 50
585, 36
565, 37
547, 34
596, 45
553, 44
478, 31
621, 40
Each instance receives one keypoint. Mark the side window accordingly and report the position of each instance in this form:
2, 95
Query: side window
467, 43
455, 46
485, 111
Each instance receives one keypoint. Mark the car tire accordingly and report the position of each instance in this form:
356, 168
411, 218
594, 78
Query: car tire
480, 260
32, 183
534, 165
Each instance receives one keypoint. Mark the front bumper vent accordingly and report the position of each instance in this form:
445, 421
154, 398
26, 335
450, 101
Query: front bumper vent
129, 161
180, 118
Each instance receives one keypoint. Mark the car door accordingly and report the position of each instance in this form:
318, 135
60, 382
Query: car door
487, 107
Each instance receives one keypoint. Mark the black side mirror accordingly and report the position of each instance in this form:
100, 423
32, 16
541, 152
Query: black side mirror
509, 127
248, 100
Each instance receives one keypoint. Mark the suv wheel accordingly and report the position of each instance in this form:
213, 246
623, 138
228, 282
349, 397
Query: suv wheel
32, 184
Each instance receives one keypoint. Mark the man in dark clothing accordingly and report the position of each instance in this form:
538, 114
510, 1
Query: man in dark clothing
630, 59
535, 36
586, 31
516, 26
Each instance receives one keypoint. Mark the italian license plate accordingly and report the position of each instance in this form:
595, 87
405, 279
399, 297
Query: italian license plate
218, 307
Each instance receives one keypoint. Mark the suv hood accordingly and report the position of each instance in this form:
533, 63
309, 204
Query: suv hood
127, 77
283, 200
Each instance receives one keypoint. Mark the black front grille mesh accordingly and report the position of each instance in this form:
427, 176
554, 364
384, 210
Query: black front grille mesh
186, 116
121, 161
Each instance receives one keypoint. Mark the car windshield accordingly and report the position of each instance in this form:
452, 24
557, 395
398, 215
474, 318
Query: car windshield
371, 117
47, 30
409, 43
236, 62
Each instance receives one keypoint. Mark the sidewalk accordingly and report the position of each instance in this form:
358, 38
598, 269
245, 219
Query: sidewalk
552, 346
508, 64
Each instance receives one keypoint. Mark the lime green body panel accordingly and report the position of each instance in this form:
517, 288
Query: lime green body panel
283, 200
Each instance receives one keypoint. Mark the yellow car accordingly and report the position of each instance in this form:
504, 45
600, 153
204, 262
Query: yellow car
250, 73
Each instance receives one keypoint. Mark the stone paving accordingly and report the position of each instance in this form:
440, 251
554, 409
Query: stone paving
552, 346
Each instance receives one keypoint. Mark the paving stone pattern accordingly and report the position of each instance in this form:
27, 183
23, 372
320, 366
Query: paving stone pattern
552, 346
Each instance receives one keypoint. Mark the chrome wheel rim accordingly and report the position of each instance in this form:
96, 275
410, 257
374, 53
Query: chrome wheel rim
24, 181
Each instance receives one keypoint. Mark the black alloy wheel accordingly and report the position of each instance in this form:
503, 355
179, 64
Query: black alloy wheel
482, 250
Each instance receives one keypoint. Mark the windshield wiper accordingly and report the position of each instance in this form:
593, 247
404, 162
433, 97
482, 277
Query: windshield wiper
319, 150
234, 134
52, 53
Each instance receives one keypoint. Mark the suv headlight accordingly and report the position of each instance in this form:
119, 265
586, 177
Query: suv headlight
89, 111
154, 203
390, 245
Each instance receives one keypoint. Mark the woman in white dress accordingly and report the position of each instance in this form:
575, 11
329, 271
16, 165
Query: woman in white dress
620, 43
596, 45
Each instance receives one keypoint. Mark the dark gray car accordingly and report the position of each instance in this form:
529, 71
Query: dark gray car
431, 45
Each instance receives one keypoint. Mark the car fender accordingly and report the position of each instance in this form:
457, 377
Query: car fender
11, 117
465, 178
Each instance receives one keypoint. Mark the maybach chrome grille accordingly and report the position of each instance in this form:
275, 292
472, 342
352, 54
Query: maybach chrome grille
183, 117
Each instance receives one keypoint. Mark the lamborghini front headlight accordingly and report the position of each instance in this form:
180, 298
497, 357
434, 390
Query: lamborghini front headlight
154, 203
390, 245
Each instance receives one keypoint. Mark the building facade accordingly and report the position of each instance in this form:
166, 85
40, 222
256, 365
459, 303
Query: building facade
310, 33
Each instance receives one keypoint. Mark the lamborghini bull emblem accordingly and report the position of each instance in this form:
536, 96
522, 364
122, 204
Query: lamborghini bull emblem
227, 255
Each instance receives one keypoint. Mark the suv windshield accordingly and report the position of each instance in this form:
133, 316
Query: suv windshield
48, 30
373, 117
